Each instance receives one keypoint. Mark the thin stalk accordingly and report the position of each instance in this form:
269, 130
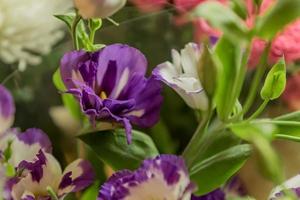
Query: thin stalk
257, 79
196, 141
259, 110
240, 76
74, 31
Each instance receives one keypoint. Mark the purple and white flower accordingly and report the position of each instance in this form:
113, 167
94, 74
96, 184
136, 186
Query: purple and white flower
292, 184
182, 76
43, 172
214, 195
110, 85
163, 178
7, 110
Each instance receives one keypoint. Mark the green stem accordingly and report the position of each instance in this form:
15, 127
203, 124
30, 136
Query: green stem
196, 141
278, 122
259, 110
52, 193
240, 77
192, 145
113, 21
287, 137
74, 31
257, 79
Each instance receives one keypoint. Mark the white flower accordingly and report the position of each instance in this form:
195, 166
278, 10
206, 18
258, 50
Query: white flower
293, 184
183, 77
98, 8
28, 29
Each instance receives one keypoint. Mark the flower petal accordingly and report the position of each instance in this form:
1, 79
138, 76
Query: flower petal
44, 171
28, 144
164, 177
7, 109
77, 176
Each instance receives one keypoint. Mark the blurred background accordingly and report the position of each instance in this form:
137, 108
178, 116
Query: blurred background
38, 103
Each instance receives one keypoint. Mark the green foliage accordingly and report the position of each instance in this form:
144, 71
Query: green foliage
207, 72
112, 148
275, 82
67, 19
261, 136
239, 7
223, 18
92, 192
289, 126
281, 14
214, 171
69, 101
228, 57
217, 160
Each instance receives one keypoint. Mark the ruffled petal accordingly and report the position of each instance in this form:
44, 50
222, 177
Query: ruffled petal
77, 176
164, 177
28, 144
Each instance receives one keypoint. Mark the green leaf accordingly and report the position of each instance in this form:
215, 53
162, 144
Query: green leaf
239, 7
67, 19
223, 18
212, 168
275, 82
112, 148
228, 58
68, 100
293, 116
248, 131
281, 14
217, 169
207, 71
261, 136
92, 192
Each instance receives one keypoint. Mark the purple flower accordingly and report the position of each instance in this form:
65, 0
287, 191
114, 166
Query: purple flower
7, 109
293, 184
44, 172
164, 177
110, 85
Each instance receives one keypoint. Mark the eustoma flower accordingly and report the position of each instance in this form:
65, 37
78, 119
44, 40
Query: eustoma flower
7, 110
99, 8
182, 76
292, 184
162, 178
110, 85
39, 174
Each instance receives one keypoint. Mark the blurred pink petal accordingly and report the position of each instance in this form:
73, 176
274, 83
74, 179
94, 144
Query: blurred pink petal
150, 5
291, 96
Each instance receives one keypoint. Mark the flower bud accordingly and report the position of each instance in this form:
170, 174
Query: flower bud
98, 8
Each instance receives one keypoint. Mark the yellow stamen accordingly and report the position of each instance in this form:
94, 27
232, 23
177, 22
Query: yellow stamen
103, 95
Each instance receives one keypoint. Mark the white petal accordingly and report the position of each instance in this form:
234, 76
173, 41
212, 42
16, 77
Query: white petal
189, 59
294, 182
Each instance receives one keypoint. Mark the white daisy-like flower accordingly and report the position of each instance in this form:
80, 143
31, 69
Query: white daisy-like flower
28, 29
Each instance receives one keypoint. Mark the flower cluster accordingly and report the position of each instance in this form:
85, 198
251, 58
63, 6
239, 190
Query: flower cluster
28, 169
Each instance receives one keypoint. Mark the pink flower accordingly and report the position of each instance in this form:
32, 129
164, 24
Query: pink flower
286, 43
291, 95
150, 5
185, 5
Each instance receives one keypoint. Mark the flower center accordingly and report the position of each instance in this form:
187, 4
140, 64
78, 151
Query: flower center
103, 95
